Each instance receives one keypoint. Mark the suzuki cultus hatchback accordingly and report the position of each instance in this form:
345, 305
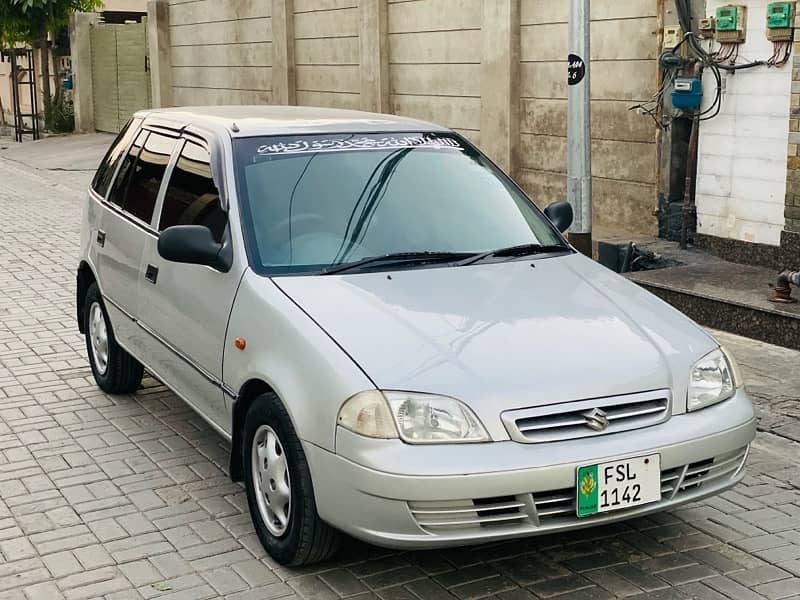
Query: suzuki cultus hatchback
397, 342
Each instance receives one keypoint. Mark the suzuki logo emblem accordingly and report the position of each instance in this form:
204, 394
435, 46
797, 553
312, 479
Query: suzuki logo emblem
596, 419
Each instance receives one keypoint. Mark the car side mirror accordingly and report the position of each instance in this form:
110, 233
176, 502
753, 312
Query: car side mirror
192, 244
560, 213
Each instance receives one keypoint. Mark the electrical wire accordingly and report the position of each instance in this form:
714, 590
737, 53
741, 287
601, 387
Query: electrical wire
668, 60
684, 17
722, 59
716, 106
782, 52
653, 106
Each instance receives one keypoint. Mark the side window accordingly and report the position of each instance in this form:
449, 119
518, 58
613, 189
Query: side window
120, 187
105, 172
192, 198
148, 172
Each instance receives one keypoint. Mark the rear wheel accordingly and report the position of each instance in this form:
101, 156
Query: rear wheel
280, 492
114, 370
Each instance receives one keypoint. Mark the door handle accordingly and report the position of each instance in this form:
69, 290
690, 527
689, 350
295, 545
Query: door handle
151, 274
101, 238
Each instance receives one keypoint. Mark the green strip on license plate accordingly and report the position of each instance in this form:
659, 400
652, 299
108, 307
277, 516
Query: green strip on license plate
587, 490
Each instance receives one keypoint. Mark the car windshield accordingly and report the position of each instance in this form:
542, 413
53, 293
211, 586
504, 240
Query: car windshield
312, 203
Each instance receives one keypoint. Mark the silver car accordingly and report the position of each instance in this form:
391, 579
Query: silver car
397, 343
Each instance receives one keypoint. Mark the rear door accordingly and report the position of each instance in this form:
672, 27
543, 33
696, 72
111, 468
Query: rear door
185, 308
127, 224
92, 233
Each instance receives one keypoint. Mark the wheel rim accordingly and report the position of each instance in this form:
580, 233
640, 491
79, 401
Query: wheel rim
98, 335
271, 480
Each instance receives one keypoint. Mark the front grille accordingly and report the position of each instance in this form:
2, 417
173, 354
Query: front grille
574, 419
701, 473
469, 514
554, 508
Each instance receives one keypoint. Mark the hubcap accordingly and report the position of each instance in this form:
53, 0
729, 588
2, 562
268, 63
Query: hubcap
98, 334
271, 480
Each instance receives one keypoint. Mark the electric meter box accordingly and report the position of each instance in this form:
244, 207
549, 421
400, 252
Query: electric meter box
730, 22
779, 15
726, 18
780, 21
687, 93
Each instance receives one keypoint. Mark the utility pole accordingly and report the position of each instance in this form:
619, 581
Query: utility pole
579, 127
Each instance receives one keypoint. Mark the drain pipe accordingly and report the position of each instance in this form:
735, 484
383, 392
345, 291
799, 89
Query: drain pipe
688, 210
783, 289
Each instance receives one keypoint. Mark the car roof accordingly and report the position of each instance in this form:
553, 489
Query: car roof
249, 121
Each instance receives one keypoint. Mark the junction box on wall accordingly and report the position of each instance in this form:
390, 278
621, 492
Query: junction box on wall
780, 21
672, 37
731, 24
707, 28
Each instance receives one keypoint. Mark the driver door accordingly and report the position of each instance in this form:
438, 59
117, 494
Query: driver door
184, 307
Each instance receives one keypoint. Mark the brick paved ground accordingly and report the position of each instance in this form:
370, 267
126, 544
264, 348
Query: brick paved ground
124, 497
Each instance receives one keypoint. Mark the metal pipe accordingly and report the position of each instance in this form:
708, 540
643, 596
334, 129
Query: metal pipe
579, 127
783, 289
688, 209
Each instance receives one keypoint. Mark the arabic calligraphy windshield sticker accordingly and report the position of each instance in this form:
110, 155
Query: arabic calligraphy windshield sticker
300, 146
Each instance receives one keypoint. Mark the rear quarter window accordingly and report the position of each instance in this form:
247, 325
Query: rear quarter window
105, 172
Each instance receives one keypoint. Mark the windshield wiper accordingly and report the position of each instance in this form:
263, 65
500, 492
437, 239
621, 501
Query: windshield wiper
515, 252
398, 259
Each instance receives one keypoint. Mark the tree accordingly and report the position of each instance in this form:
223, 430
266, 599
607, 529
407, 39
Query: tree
30, 21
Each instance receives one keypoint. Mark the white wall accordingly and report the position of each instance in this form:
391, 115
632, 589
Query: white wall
741, 180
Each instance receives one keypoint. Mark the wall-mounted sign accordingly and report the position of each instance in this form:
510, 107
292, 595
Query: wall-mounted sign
577, 70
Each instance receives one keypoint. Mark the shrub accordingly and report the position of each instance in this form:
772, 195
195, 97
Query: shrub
59, 114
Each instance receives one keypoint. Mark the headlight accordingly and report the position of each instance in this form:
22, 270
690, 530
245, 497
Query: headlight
415, 418
714, 378
426, 419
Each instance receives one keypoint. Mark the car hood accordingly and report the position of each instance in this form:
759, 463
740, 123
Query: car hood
505, 336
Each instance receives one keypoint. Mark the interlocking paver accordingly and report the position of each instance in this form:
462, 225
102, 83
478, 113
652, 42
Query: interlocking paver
141, 572
61, 564
777, 590
225, 581
43, 591
126, 497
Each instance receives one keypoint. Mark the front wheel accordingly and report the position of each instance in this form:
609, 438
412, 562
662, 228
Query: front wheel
280, 492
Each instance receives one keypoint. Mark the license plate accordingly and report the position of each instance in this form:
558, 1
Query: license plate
618, 485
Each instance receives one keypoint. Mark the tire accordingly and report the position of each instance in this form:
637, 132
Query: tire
291, 531
114, 370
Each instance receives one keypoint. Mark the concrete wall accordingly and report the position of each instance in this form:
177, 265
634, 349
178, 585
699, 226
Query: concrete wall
5, 91
220, 52
624, 52
125, 5
435, 51
741, 183
496, 65
327, 57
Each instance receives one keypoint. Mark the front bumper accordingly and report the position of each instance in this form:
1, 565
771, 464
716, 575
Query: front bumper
402, 496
